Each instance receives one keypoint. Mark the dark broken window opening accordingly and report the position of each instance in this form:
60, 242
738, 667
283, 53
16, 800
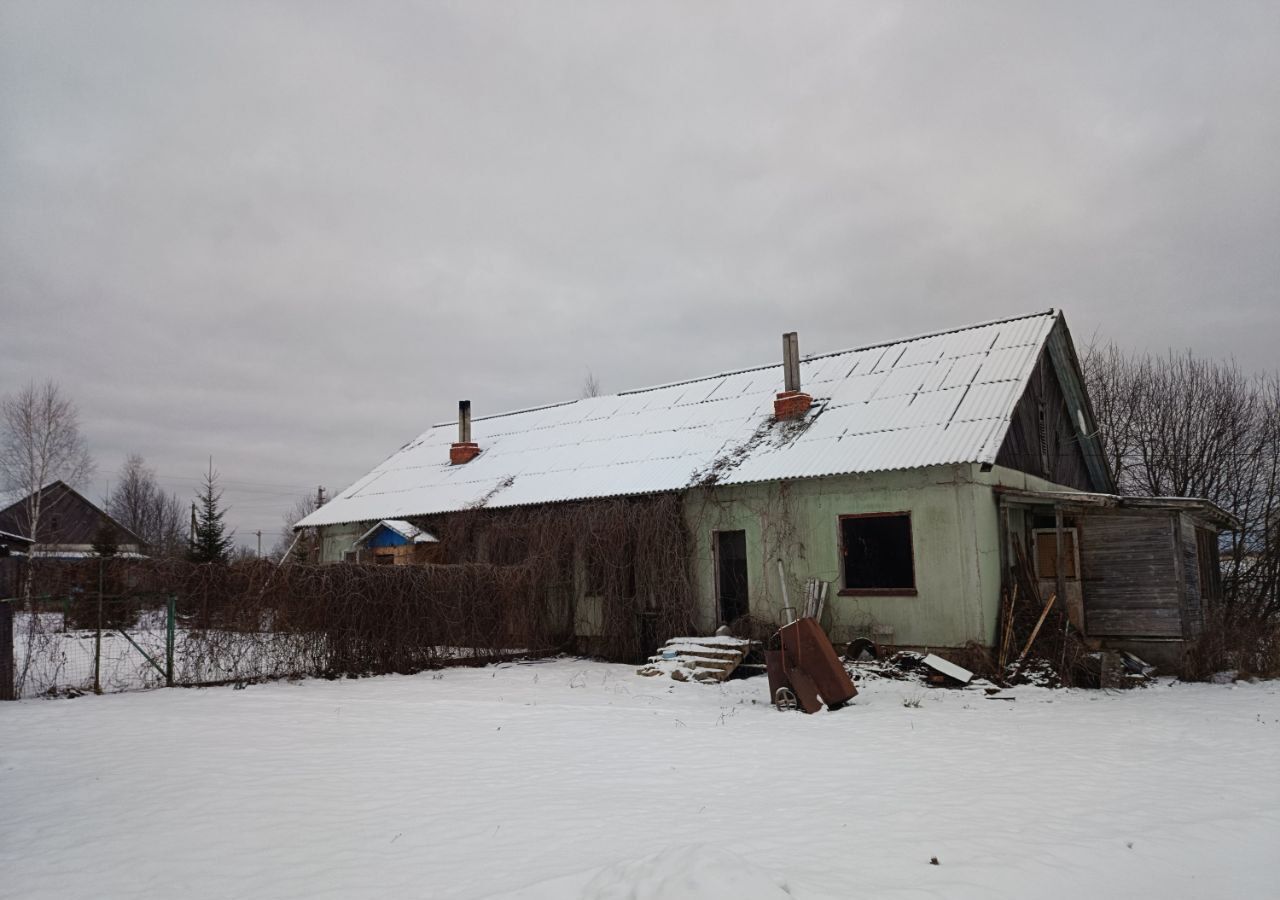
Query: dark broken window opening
1209, 565
877, 555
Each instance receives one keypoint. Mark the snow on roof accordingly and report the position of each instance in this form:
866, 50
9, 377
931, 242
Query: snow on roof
936, 399
55, 553
406, 530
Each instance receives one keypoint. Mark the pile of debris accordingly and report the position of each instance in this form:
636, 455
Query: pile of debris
1038, 644
926, 669
698, 658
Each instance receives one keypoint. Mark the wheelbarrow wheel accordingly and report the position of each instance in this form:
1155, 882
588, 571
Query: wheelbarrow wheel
784, 699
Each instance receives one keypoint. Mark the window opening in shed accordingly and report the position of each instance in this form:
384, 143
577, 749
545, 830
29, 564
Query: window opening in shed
731, 574
1046, 547
1207, 559
877, 554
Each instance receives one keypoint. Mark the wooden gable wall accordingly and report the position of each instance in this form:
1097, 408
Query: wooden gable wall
1048, 449
66, 518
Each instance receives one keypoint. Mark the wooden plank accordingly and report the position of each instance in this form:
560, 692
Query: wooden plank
1135, 623
1180, 575
1058, 555
1139, 601
1034, 634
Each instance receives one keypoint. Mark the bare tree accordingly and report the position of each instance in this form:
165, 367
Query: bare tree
302, 507
40, 442
590, 385
1185, 427
141, 505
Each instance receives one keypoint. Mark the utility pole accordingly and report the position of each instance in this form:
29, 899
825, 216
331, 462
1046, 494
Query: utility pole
316, 549
259, 534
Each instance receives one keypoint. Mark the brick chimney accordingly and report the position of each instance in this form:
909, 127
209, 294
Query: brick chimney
792, 403
463, 450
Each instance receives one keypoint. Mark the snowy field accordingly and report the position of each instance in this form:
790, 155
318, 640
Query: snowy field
570, 779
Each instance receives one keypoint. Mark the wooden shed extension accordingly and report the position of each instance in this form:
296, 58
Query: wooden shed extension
1132, 571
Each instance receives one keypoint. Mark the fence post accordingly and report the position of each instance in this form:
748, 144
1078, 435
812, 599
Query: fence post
168, 644
6, 652
97, 641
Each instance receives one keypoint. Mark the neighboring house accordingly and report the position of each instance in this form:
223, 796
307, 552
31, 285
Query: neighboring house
913, 475
394, 542
69, 525
14, 544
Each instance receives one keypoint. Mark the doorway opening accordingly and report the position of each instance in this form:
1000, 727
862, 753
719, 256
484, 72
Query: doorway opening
731, 575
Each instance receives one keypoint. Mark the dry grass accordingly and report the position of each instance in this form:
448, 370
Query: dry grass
1248, 647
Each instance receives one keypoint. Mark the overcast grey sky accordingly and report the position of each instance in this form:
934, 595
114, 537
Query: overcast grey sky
292, 236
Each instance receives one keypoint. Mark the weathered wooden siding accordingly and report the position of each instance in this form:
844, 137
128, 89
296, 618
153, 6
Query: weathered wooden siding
1060, 459
66, 519
1132, 587
1193, 608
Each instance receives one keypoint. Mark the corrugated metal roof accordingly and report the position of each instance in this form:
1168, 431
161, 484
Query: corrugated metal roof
405, 529
931, 400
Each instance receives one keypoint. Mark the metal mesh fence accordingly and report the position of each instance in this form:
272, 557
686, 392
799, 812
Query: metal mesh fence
134, 624
112, 624
82, 643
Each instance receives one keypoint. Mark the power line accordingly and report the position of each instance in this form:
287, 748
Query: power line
200, 479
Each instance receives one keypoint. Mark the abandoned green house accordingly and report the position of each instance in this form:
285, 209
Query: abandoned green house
912, 476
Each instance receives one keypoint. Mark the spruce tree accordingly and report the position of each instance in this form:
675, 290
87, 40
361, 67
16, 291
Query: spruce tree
105, 543
211, 542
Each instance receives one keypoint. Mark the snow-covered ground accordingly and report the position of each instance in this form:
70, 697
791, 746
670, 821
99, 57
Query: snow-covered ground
570, 779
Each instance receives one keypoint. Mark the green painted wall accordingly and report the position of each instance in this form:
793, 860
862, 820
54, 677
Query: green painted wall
954, 537
335, 540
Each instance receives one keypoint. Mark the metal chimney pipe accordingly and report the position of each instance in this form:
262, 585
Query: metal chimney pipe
792, 403
791, 361
464, 421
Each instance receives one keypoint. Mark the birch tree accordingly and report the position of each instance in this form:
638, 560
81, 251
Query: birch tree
40, 442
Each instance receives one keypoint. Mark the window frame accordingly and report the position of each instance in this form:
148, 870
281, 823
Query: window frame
913, 591
1070, 535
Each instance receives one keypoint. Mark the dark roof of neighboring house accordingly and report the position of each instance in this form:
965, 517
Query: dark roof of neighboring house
77, 518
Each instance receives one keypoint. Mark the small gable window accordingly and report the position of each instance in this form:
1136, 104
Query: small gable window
877, 555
